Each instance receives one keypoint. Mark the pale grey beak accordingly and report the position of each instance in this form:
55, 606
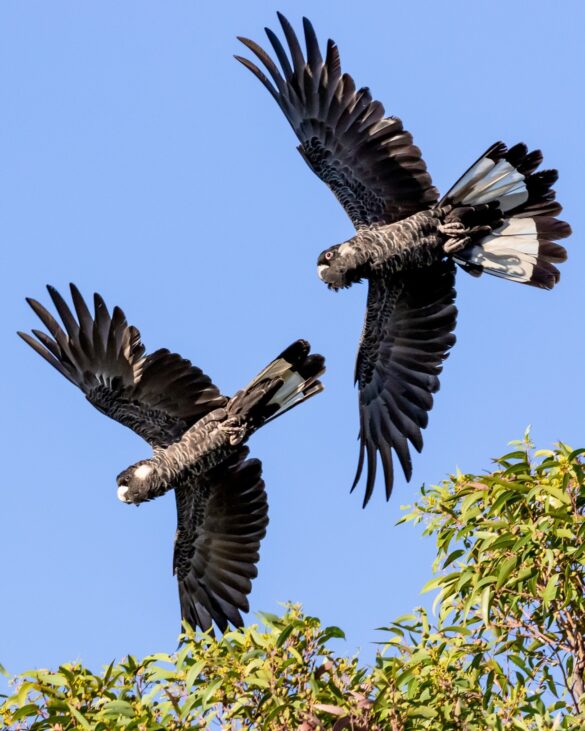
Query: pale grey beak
122, 490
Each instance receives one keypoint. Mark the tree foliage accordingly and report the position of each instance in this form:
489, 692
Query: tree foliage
504, 647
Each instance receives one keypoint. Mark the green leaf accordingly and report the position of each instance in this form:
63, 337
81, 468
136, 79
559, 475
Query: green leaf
519, 662
423, 712
332, 710
22, 693
270, 620
160, 657
56, 679
505, 570
79, 717
209, 692
558, 494
405, 620
432, 584
158, 673
31, 709
331, 632
550, 590
284, 635
470, 500
518, 454
564, 533
108, 673
485, 605
453, 556
194, 672
116, 708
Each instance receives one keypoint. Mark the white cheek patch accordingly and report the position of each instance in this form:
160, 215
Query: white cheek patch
142, 472
345, 249
122, 490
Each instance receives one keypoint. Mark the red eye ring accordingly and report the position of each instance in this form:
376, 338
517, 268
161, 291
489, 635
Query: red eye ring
329, 255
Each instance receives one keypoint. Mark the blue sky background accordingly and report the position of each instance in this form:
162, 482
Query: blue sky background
140, 160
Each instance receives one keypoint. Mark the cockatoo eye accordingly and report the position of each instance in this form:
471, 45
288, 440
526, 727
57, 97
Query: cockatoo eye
329, 255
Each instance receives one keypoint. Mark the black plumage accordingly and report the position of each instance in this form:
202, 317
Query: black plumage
498, 218
198, 437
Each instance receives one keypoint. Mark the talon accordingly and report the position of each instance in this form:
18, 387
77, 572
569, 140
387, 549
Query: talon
455, 232
453, 245
235, 433
452, 229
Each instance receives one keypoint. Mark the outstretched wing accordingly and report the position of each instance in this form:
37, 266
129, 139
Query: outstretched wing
159, 396
222, 518
407, 334
368, 160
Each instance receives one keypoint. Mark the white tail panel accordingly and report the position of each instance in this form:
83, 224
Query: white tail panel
502, 189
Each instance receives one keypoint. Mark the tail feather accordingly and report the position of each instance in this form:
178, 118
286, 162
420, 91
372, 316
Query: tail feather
508, 214
287, 381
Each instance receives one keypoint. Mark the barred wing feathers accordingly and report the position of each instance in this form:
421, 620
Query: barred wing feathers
221, 520
407, 334
369, 161
159, 395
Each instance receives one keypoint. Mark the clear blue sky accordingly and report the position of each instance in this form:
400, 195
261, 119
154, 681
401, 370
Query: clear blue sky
140, 160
